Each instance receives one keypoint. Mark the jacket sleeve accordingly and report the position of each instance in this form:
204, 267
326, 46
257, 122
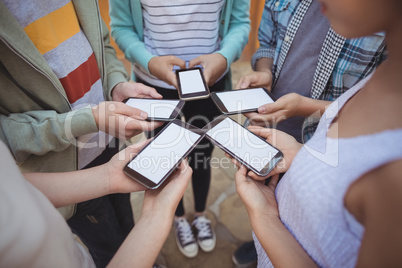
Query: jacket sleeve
39, 132
236, 38
266, 35
125, 32
114, 68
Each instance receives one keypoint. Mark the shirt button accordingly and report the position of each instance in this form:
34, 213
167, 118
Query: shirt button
287, 38
277, 4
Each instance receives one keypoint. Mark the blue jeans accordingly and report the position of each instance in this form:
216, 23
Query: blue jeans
103, 223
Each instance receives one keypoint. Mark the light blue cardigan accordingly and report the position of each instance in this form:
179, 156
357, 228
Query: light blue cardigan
127, 30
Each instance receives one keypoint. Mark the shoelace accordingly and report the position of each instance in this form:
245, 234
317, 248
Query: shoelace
202, 225
185, 233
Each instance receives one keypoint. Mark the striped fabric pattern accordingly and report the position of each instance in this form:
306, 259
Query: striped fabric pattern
185, 29
342, 63
54, 29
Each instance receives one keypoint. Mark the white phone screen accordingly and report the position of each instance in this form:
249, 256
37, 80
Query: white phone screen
154, 108
164, 152
238, 100
243, 144
191, 82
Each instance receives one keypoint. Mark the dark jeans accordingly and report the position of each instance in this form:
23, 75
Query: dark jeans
198, 113
103, 223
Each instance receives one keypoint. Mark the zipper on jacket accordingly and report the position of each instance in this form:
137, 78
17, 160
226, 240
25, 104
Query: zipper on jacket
102, 44
37, 69
51, 80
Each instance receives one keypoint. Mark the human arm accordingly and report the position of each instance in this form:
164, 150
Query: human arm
261, 77
127, 30
77, 186
262, 208
121, 120
262, 60
375, 201
114, 70
287, 106
234, 34
145, 241
117, 88
39, 132
284, 142
162, 68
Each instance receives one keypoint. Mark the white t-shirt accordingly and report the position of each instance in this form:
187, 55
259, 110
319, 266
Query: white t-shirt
32, 231
183, 28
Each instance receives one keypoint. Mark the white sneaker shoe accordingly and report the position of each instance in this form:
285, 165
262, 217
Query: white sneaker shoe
205, 234
185, 239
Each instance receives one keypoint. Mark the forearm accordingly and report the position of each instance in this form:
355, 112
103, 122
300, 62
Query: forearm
308, 107
71, 187
46, 130
264, 65
281, 247
144, 243
236, 36
125, 31
115, 70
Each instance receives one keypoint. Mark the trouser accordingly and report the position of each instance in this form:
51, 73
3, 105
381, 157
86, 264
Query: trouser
103, 223
197, 113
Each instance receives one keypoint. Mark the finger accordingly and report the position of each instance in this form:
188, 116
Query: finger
261, 131
124, 109
147, 92
254, 176
131, 151
172, 79
194, 62
260, 120
185, 167
244, 82
178, 62
250, 115
273, 182
133, 127
273, 172
268, 108
236, 163
242, 172
207, 77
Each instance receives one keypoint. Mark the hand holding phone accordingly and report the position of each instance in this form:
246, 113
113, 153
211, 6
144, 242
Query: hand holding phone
243, 145
191, 84
155, 162
157, 109
242, 100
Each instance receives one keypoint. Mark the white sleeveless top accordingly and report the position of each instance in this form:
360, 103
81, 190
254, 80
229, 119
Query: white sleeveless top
311, 194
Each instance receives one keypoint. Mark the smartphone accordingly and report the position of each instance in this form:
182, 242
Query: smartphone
192, 84
242, 100
158, 159
157, 109
243, 145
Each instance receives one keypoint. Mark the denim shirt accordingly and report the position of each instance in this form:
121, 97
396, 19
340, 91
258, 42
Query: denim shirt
342, 62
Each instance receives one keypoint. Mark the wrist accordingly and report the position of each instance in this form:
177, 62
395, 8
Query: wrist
115, 91
95, 113
264, 221
157, 216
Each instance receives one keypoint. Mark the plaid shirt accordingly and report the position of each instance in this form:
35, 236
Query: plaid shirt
341, 64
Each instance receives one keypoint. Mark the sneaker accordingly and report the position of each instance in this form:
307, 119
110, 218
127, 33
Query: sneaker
245, 254
205, 235
185, 239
